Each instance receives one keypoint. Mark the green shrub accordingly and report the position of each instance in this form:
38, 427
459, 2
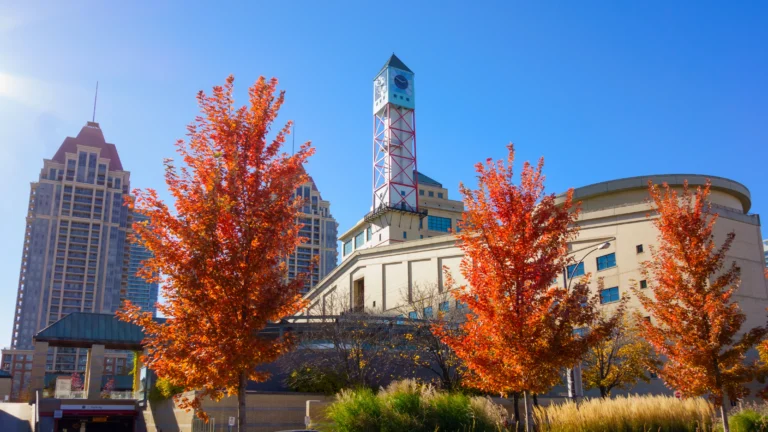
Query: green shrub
403, 408
406, 406
355, 411
313, 380
450, 412
748, 420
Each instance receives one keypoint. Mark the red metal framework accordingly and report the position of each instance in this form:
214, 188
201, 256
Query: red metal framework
395, 180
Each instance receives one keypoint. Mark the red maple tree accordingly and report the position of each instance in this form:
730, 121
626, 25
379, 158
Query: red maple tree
695, 322
221, 250
519, 333
76, 383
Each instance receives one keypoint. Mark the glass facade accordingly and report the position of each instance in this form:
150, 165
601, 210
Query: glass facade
437, 223
140, 292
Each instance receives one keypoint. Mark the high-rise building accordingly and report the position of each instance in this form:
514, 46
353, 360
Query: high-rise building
140, 292
75, 253
321, 230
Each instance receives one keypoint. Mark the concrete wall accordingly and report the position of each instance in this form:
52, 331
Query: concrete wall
389, 274
5, 388
16, 417
266, 412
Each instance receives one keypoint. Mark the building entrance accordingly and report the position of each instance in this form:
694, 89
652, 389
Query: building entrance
95, 424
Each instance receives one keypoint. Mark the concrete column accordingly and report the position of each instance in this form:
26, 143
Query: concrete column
94, 370
37, 378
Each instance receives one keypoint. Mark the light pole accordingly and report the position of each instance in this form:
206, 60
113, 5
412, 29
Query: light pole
574, 386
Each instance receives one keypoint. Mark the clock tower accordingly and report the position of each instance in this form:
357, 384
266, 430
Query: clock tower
394, 138
395, 182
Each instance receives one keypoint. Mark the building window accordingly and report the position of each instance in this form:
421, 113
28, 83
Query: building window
647, 319
444, 306
348, 247
369, 233
581, 331
405, 235
421, 236
413, 315
643, 284
576, 270
437, 223
431, 193
606, 261
359, 240
460, 305
421, 192
639, 248
439, 194
428, 312
609, 295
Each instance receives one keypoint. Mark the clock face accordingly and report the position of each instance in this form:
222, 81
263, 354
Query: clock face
401, 82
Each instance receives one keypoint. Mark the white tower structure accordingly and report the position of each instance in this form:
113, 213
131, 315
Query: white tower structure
395, 212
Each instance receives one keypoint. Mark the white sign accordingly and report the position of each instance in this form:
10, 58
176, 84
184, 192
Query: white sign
98, 407
231, 421
58, 413
307, 421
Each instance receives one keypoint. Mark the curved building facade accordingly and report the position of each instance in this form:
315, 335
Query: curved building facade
617, 212
378, 279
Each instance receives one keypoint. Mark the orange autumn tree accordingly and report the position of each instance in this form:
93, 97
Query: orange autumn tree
695, 323
520, 332
220, 248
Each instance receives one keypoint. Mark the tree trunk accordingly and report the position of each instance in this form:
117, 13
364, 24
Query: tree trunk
241, 413
603, 392
515, 402
724, 413
528, 413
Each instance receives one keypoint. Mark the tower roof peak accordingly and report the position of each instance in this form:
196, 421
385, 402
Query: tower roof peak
92, 136
396, 63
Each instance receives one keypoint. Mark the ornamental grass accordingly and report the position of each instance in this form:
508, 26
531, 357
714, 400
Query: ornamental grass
628, 414
407, 406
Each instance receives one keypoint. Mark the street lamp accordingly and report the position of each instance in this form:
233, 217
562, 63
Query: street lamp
574, 386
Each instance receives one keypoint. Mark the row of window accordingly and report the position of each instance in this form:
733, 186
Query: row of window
427, 312
603, 262
430, 193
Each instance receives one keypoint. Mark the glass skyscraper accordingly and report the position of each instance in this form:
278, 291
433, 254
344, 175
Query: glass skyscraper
140, 292
75, 253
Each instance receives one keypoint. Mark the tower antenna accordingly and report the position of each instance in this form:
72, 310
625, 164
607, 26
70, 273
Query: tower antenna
95, 97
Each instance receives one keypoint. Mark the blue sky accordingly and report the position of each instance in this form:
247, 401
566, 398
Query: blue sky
602, 90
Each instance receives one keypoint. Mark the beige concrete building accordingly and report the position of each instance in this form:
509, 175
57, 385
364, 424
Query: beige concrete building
439, 216
376, 278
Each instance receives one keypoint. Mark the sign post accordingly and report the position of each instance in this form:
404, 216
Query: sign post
678, 394
307, 416
231, 423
